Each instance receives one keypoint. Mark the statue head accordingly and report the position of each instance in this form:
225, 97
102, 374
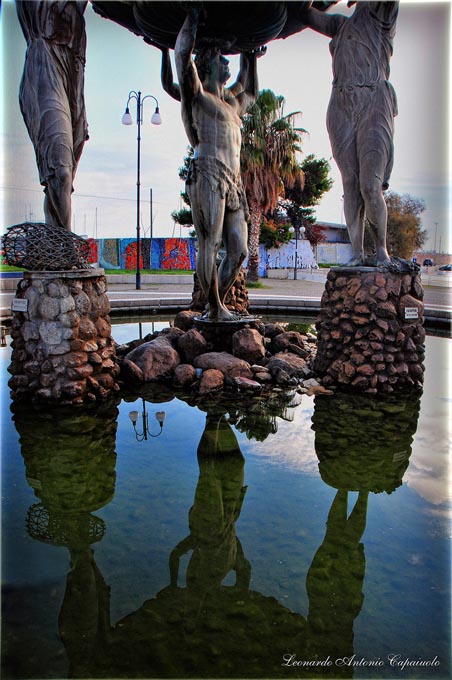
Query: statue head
208, 60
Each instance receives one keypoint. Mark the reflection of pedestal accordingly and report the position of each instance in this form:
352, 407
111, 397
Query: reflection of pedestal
370, 333
364, 443
63, 351
69, 457
70, 464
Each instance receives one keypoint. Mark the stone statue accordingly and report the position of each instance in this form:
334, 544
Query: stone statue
51, 97
211, 116
361, 113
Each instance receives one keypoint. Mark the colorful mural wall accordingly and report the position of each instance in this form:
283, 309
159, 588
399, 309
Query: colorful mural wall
180, 253
156, 253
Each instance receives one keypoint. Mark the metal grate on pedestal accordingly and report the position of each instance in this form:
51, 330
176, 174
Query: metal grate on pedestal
37, 246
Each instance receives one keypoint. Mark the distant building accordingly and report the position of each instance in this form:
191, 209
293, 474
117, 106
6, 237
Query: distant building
336, 249
334, 232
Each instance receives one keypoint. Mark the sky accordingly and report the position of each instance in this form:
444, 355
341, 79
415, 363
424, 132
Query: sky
299, 68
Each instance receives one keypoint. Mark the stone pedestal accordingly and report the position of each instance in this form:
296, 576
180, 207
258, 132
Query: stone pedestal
219, 334
236, 300
370, 330
63, 351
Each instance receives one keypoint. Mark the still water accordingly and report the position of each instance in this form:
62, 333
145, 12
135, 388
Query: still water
287, 537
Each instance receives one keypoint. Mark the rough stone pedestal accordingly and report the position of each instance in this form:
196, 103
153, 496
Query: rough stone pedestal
63, 352
370, 330
219, 335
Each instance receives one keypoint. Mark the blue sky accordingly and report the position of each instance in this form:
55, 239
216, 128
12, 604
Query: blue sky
299, 68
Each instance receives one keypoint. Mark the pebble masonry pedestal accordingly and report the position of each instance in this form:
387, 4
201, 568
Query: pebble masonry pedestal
370, 330
63, 352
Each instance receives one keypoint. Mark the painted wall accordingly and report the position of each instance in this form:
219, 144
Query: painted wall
160, 253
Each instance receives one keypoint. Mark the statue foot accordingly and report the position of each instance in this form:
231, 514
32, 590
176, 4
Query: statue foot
356, 262
383, 258
222, 314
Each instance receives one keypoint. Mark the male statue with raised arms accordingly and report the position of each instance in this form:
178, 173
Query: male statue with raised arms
211, 116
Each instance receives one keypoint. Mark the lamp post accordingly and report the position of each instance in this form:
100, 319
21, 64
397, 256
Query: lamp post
297, 230
140, 436
127, 120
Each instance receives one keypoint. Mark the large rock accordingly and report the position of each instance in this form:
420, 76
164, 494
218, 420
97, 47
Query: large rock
184, 375
191, 344
185, 319
292, 364
211, 381
230, 366
248, 344
290, 340
157, 359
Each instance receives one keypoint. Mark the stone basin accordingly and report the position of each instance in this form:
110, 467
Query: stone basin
236, 26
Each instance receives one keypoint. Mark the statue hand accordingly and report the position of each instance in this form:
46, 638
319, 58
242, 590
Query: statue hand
258, 52
194, 8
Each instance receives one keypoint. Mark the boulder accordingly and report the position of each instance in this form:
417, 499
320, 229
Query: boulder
211, 381
157, 359
291, 341
184, 374
230, 366
191, 344
185, 319
248, 344
247, 384
292, 364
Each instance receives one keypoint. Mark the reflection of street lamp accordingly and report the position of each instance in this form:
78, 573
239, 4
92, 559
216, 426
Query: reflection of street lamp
297, 230
127, 120
133, 415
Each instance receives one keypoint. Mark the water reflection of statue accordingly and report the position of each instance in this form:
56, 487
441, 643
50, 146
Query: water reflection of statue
334, 583
216, 508
70, 463
344, 426
211, 116
52, 99
361, 113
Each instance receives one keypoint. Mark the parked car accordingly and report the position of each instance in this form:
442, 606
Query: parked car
446, 268
428, 262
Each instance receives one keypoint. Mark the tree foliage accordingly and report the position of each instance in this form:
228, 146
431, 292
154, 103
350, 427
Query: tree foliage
300, 199
274, 233
270, 143
405, 233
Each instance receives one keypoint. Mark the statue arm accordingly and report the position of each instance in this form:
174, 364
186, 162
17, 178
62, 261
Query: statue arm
327, 24
251, 84
181, 548
239, 85
385, 11
166, 74
186, 70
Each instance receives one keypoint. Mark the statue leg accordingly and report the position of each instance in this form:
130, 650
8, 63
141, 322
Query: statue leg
371, 182
354, 216
208, 209
235, 241
57, 201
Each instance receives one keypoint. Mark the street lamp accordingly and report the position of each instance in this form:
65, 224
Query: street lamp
127, 120
140, 436
297, 230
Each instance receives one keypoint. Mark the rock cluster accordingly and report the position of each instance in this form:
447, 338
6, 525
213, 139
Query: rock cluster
63, 351
263, 355
236, 299
370, 331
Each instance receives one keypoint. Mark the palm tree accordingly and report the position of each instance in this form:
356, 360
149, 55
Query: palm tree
270, 142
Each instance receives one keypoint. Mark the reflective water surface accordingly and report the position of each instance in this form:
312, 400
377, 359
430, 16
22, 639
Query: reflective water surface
283, 536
